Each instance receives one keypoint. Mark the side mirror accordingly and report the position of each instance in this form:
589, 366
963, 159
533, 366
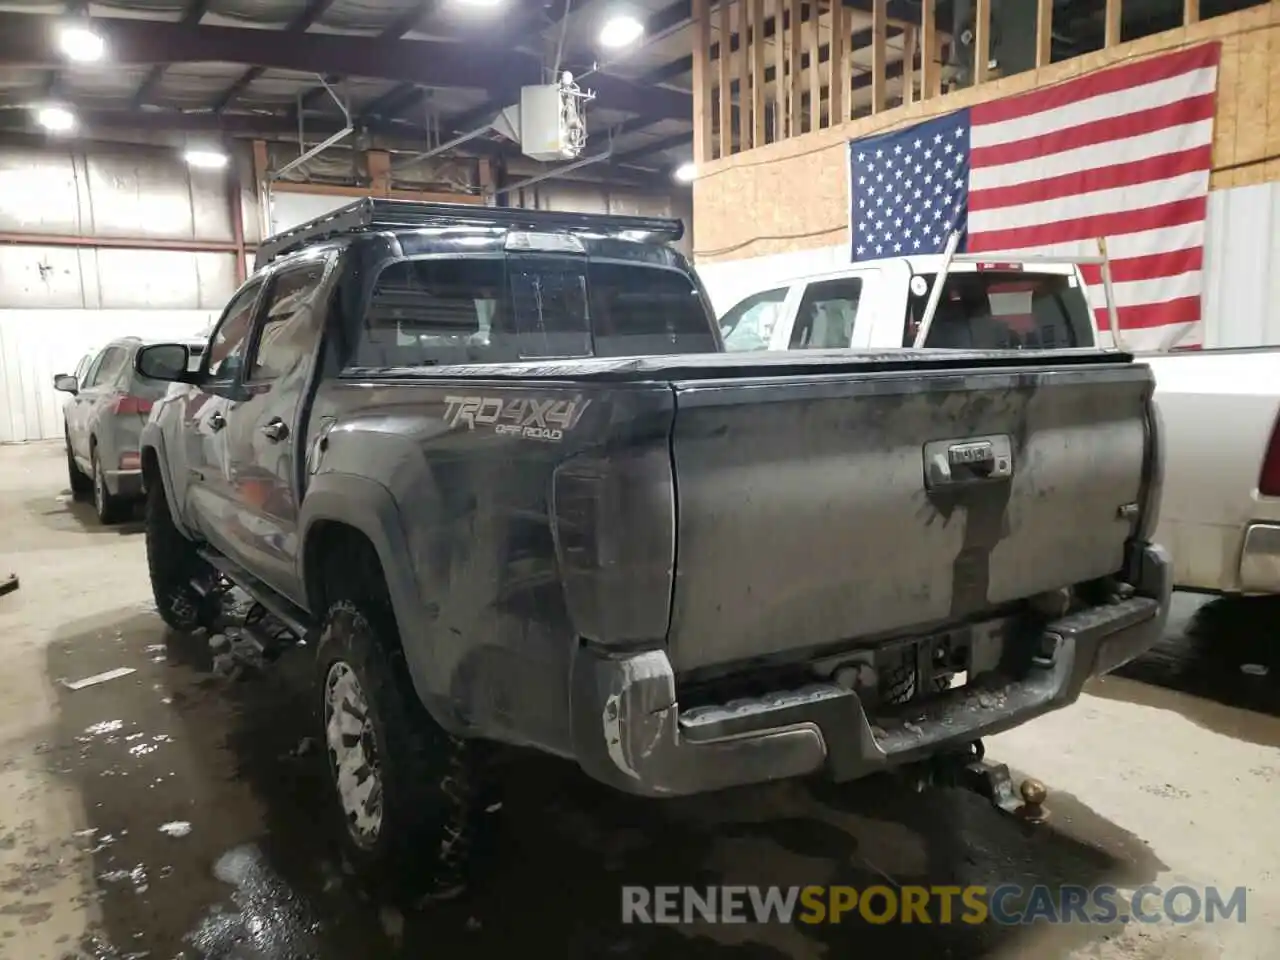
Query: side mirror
66, 383
165, 361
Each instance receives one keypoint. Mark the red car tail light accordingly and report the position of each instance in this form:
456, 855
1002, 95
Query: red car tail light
130, 404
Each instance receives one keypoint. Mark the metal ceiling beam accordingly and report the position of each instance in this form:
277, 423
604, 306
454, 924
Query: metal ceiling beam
653, 146
192, 14
313, 11
664, 21
403, 24
25, 40
226, 124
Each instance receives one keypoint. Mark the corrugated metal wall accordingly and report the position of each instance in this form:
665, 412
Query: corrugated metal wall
1242, 267
60, 299
1241, 295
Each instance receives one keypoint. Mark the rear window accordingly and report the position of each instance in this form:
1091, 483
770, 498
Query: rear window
431, 312
1003, 310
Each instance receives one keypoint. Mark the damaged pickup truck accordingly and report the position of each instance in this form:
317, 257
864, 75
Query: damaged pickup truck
497, 464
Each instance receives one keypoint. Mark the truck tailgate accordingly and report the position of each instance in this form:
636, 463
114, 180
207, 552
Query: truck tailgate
816, 509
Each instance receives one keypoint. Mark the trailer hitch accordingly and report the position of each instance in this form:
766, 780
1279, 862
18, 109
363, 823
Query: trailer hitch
969, 770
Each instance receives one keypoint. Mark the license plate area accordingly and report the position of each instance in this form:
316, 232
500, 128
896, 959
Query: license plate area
913, 669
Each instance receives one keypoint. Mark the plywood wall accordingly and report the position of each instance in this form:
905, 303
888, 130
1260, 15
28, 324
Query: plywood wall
794, 194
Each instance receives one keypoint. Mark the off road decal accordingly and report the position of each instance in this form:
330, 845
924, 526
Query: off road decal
519, 416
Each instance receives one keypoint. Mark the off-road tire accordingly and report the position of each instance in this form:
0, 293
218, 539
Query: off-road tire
430, 795
109, 507
81, 486
174, 564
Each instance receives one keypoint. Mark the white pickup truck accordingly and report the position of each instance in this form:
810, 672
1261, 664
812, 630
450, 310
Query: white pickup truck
1220, 512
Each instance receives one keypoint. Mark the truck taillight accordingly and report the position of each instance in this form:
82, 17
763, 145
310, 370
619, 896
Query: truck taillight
613, 518
130, 404
1269, 477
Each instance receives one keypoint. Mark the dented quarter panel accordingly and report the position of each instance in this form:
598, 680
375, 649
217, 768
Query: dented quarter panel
468, 465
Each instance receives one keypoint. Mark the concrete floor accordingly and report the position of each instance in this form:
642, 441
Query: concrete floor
1149, 783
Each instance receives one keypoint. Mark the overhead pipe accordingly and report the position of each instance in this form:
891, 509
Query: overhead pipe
558, 171
324, 145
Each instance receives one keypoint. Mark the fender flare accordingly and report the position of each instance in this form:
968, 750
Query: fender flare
369, 507
153, 437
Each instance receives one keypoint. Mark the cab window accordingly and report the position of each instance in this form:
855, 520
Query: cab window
1003, 310
825, 318
749, 324
230, 341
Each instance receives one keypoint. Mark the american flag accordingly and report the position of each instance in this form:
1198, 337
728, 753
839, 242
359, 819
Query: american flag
1123, 153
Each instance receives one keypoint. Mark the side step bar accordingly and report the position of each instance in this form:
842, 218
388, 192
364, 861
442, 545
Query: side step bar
287, 612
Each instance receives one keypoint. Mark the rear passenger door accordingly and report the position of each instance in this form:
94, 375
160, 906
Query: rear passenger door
826, 316
100, 400
264, 427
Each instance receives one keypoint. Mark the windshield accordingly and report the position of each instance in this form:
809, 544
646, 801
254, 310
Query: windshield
1003, 310
430, 312
749, 324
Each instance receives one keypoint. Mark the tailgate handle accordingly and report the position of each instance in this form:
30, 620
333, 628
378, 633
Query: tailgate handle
967, 460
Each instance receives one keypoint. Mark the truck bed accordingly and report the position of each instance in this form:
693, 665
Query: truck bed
1218, 408
782, 505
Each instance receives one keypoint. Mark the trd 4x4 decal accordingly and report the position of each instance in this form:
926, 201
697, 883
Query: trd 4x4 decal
516, 416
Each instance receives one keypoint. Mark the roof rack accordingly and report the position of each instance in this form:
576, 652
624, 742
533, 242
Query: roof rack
375, 214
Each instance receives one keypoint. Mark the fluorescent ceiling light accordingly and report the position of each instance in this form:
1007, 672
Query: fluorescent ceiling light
81, 44
685, 172
481, 4
56, 119
205, 159
621, 31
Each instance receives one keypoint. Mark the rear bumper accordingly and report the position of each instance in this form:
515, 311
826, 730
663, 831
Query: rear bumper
125, 483
1260, 559
629, 731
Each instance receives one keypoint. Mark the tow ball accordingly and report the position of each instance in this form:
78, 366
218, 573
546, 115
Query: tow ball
969, 770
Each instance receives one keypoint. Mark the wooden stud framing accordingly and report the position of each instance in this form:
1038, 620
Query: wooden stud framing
795, 89
779, 73
878, 39
701, 82
981, 40
1114, 12
815, 76
1044, 33
930, 68
839, 94
1190, 12
758, 132
909, 48
726, 95
743, 64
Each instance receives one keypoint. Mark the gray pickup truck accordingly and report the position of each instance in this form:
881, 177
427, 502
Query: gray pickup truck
498, 464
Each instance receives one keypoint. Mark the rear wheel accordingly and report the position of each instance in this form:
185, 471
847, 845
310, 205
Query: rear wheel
405, 789
109, 508
81, 486
174, 565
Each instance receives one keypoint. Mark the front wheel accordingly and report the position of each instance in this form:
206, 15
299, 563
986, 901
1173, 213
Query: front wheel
405, 789
174, 565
